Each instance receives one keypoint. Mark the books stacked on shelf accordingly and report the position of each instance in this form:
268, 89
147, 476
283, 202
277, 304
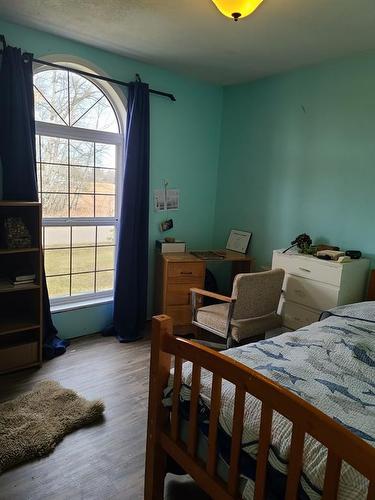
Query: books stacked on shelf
23, 280
20, 279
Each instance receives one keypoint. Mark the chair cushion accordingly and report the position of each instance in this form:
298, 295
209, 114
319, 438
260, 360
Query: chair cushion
214, 316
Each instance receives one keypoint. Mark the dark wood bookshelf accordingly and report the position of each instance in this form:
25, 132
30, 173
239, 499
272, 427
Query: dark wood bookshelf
9, 288
6, 251
21, 326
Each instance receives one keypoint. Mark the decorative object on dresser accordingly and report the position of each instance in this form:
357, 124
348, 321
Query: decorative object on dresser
20, 290
354, 254
330, 254
177, 273
303, 243
312, 285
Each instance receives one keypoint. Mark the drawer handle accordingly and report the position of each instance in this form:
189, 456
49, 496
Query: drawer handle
304, 269
186, 272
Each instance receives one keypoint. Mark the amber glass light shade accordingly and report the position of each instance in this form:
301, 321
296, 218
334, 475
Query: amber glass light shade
237, 9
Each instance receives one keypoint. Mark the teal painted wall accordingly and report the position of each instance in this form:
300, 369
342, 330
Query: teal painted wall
298, 155
83, 321
184, 148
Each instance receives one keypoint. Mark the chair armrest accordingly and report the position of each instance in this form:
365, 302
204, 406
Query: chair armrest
206, 293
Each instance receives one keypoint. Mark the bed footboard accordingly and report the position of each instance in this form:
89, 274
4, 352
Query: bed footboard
163, 427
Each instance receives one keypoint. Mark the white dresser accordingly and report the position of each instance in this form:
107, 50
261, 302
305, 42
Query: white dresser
313, 285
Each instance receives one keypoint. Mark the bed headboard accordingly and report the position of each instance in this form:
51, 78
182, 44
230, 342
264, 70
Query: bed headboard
371, 286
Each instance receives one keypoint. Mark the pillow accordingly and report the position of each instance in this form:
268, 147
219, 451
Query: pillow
361, 310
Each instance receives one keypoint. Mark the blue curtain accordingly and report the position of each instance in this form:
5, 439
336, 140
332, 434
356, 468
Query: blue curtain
130, 292
17, 153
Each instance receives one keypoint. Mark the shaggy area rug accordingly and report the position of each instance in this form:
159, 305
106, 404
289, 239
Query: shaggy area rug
32, 424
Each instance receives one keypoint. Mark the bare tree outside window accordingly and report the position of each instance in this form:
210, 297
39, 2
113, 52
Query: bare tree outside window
78, 140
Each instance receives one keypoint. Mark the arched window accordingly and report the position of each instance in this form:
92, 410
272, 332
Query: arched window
79, 146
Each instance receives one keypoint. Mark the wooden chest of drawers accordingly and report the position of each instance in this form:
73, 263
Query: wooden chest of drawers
312, 285
175, 274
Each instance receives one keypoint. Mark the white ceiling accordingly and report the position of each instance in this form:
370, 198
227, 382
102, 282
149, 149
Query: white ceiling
192, 37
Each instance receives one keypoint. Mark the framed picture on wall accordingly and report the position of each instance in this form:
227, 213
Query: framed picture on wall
238, 241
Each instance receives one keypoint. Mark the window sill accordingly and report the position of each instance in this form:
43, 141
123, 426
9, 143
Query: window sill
83, 304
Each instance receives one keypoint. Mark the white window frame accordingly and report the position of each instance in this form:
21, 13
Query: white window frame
76, 133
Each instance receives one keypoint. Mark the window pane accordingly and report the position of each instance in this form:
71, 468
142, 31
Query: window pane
54, 150
106, 235
44, 111
105, 180
81, 180
81, 153
104, 206
82, 205
83, 259
83, 236
105, 258
54, 178
55, 205
104, 280
37, 148
57, 261
76, 179
100, 117
58, 286
82, 283
83, 95
56, 237
51, 96
105, 155
38, 176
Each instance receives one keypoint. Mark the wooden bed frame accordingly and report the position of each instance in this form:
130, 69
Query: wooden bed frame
163, 425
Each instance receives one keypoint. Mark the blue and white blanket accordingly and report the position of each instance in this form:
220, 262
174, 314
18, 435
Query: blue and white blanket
330, 364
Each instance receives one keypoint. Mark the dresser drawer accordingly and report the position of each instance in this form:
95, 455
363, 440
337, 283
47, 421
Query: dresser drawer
181, 315
310, 293
296, 316
309, 267
178, 294
185, 270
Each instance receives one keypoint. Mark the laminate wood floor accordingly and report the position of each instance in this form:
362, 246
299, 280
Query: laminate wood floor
104, 461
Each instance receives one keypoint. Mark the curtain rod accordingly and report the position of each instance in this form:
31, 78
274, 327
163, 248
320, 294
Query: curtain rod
88, 74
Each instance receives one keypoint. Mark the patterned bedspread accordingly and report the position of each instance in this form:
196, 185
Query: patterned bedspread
329, 364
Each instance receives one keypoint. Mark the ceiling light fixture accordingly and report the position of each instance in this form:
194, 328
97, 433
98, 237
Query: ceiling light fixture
236, 9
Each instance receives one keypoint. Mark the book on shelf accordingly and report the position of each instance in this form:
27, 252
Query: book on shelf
5, 284
21, 276
20, 283
24, 277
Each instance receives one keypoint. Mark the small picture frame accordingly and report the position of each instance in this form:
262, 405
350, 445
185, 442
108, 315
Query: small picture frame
166, 225
238, 241
166, 199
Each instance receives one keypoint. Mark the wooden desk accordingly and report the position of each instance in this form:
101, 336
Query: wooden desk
176, 273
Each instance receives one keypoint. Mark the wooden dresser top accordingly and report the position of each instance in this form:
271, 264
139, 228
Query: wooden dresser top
188, 257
